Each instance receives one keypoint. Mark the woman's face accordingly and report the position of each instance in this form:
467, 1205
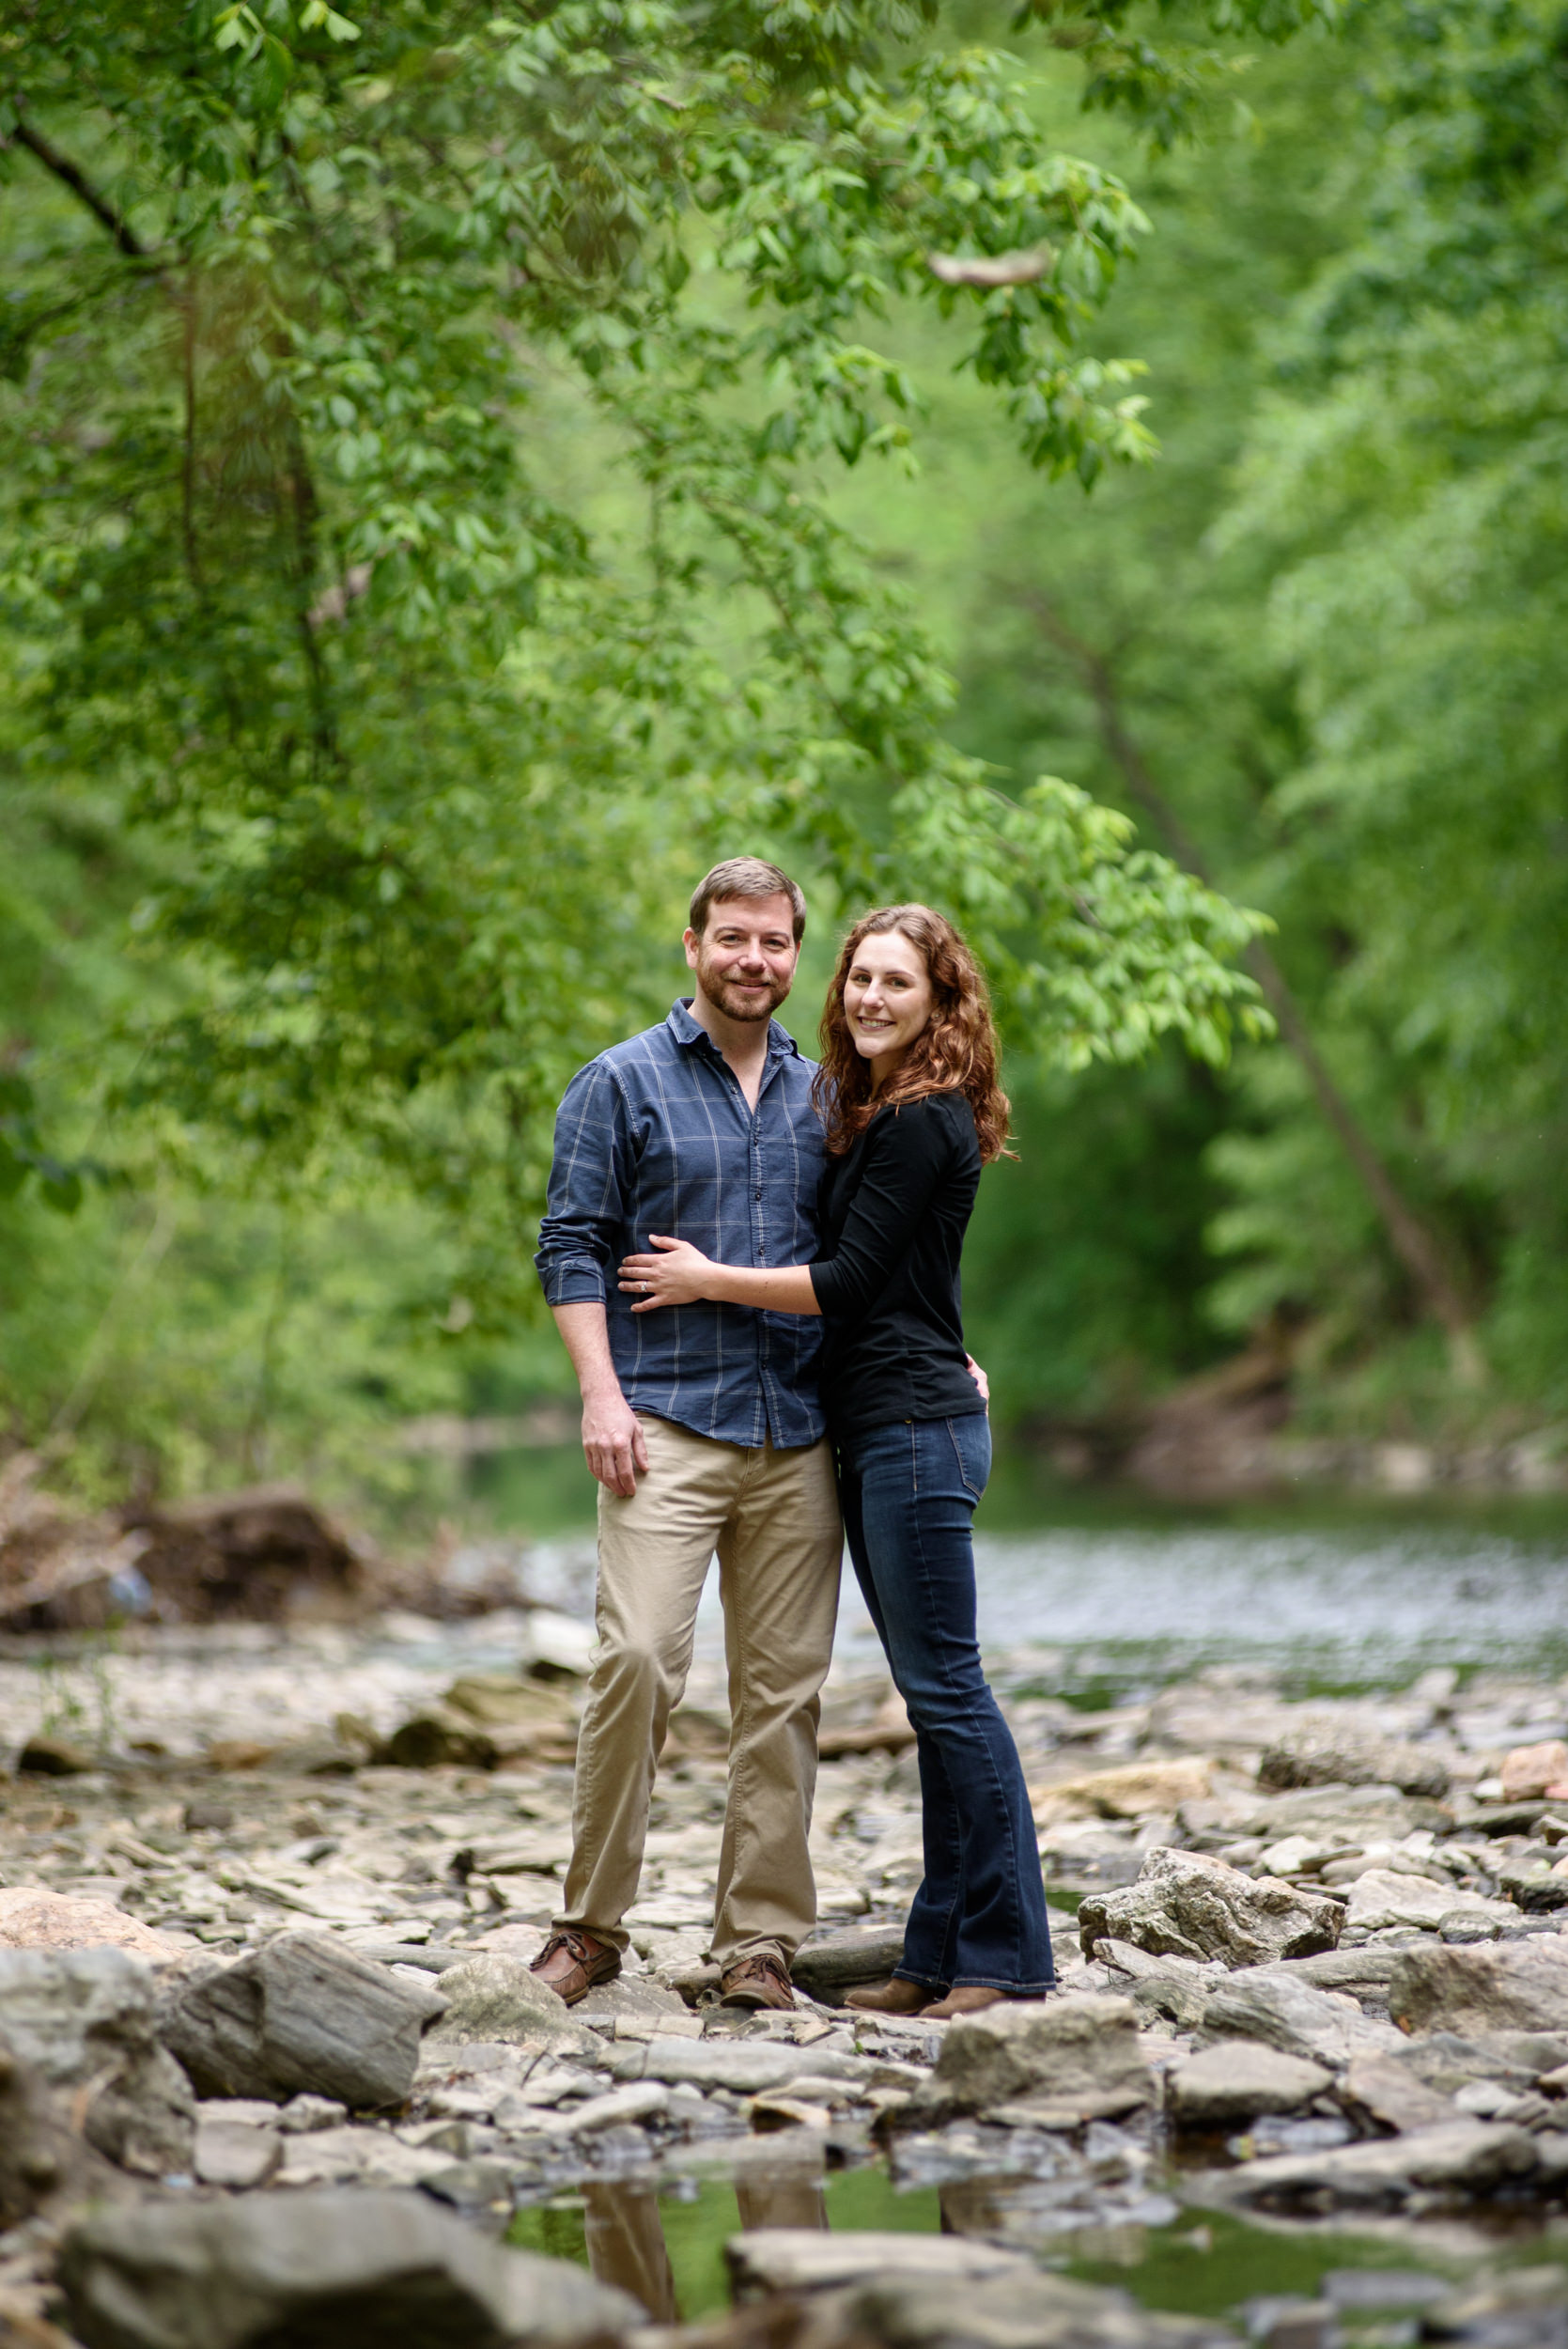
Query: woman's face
887, 999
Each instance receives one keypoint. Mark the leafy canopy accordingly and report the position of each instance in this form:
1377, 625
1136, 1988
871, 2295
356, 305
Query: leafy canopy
410, 441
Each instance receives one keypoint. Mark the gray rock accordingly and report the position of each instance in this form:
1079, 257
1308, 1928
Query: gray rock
1177, 1987
1462, 2157
1050, 2063
1324, 1753
1529, 1884
942, 2291
746, 2066
86, 2020
1382, 1898
1518, 2059
1272, 2005
493, 1997
236, 2153
1503, 1985
835, 1962
1222, 2086
1195, 1907
42, 2160
304, 2012
382, 2270
1386, 2091
801, 2258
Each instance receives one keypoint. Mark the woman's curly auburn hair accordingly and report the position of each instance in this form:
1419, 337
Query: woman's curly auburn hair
954, 1053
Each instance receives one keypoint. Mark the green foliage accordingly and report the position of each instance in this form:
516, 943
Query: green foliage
413, 551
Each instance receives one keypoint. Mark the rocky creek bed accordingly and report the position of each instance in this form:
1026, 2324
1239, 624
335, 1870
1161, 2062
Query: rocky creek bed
274, 2070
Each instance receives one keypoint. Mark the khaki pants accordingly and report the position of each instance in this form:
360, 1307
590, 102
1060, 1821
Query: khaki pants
773, 1518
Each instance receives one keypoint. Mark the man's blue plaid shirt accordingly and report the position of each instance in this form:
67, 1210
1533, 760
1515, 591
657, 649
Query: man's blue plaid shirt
656, 1136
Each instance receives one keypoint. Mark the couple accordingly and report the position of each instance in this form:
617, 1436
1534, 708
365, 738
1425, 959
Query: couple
754, 1268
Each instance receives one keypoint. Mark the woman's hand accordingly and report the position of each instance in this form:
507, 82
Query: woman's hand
677, 1276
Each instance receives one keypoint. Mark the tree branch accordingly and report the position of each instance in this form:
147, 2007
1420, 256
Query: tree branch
1408, 1236
71, 175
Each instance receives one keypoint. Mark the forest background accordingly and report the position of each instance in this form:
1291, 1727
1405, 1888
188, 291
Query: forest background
447, 498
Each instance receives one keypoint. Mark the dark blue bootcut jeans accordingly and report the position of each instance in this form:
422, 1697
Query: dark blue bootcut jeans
909, 1491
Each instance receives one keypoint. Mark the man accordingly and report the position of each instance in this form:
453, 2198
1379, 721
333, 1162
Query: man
704, 1432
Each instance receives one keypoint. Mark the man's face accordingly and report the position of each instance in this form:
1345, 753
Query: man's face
745, 958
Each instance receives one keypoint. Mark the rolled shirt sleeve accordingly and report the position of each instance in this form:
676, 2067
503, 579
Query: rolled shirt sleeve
580, 1236
905, 1159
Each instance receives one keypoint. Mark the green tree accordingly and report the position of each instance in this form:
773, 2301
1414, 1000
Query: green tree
412, 521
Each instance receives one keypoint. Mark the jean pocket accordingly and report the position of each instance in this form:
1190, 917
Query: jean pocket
972, 1449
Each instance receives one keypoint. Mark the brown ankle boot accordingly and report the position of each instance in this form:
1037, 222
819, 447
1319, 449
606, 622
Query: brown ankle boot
572, 1961
969, 2001
896, 1997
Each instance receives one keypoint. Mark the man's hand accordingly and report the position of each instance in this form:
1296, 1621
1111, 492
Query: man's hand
612, 1443
980, 1379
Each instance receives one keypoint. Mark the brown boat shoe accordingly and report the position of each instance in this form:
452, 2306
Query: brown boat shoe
572, 1961
759, 1981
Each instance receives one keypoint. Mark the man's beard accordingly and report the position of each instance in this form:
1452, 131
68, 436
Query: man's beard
725, 996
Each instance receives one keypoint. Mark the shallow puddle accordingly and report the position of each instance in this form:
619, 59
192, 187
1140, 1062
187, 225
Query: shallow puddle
664, 2241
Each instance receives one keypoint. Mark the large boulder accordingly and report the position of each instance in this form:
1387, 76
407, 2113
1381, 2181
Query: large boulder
1470, 1990
498, 1998
303, 2012
85, 2022
1222, 2086
1273, 2007
1052, 2063
379, 2270
1192, 1906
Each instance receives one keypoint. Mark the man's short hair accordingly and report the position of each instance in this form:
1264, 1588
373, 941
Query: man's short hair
746, 877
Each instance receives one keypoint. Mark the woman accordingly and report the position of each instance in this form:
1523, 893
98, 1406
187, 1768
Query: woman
909, 1095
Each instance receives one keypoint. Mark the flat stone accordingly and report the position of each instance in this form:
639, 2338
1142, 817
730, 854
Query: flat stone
745, 2066
382, 2270
1133, 1790
1192, 1905
1503, 1985
87, 2020
799, 2259
1055, 2063
302, 2013
1381, 1899
357, 2155
236, 2153
1273, 2005
913, 2306
1324, 1752
1234, 2081
835, 1962
1462, 2157
32, 1917
1447, 2062
494, 1997
1381, 2088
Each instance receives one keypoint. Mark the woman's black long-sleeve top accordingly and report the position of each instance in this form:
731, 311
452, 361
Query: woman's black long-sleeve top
894, 1212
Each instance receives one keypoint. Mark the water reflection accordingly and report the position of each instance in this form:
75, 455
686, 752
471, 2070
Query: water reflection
624, 2226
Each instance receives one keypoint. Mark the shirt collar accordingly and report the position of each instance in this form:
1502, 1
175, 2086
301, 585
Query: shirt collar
688, 1030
